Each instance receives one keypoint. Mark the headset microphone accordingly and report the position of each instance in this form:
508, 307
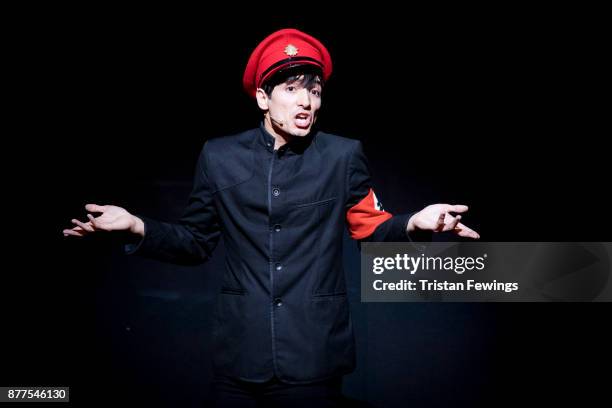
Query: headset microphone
280, 123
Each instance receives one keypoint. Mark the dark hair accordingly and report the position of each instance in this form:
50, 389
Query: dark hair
311, 76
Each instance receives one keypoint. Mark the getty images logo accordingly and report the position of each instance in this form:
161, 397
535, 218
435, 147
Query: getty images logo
413, 264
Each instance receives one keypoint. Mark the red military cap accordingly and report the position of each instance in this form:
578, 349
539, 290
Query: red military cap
283, 49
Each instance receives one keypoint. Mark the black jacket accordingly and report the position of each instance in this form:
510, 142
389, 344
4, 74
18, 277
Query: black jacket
283, 308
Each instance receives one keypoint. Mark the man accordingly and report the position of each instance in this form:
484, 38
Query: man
280, 195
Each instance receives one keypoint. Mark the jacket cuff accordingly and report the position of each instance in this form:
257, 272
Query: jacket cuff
396, 228
417, 235
145, 244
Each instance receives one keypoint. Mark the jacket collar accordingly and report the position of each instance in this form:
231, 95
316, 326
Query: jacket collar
296, 146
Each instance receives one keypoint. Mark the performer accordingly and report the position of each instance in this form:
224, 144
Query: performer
280, 195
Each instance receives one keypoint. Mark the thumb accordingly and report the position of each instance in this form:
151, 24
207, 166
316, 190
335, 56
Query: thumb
95, 208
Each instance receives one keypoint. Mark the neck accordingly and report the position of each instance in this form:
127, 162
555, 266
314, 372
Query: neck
280, 138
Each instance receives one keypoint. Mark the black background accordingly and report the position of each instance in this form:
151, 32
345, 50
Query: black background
500, 109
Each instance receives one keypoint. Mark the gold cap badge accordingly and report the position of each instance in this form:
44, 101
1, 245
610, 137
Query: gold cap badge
291, 50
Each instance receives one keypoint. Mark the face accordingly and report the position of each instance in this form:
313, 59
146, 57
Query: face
291, 109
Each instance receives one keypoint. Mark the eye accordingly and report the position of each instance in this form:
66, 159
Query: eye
290, 88
316, 92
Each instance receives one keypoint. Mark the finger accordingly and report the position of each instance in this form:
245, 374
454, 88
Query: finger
87, 227
464, 231
99, 223
80, 230
68, 232
95, 208
440, 222
453, 224
458, 208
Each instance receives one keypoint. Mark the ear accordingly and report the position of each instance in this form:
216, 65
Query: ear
262, 99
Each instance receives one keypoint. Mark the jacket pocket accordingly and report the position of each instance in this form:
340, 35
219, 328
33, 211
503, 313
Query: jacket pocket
329, 296
320, 202
232, 291
323, 208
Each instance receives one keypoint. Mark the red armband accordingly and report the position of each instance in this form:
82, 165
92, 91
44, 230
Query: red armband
364, 217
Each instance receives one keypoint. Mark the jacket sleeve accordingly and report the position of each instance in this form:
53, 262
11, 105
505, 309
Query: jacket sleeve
193, 238
366, 218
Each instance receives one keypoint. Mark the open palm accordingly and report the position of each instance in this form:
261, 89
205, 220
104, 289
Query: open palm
437, 218
112, 218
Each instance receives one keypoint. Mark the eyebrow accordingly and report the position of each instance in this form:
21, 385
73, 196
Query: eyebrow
317, 81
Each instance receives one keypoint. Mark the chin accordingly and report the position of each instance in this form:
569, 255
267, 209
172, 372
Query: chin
299, 132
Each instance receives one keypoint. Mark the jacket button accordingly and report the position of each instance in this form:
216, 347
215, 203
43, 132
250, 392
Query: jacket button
278, 302
279, 266
276, 192
277, 228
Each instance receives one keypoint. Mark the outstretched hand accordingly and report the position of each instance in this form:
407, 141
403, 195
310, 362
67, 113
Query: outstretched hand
112, 218
437, 218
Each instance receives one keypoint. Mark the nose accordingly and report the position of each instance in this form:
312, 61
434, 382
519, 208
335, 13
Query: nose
304, 98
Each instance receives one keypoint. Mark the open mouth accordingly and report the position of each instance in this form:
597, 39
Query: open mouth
302, 120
